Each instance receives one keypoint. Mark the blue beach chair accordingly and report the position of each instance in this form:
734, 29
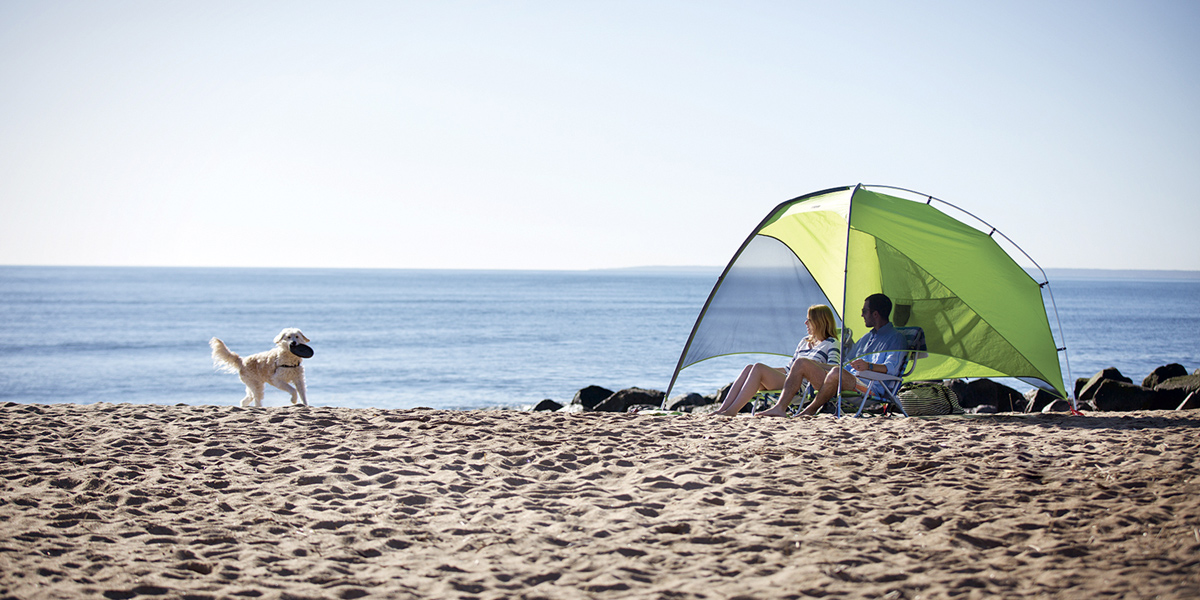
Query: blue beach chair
883, 387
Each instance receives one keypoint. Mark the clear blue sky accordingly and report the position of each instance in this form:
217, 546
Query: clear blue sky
576, 135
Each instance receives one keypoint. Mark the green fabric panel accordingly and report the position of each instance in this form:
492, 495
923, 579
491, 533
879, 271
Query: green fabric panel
816, 231
949, 367
965, 290
864, 277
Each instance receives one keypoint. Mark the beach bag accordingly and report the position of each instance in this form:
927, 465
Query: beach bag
929, 398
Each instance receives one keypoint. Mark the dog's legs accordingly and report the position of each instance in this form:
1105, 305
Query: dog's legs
283, 385
303, 395
254, 393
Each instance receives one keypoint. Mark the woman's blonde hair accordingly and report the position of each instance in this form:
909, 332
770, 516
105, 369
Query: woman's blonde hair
823, 322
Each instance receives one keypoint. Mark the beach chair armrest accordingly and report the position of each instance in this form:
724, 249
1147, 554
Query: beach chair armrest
874, 376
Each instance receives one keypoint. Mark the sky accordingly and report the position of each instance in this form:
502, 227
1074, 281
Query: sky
583, 134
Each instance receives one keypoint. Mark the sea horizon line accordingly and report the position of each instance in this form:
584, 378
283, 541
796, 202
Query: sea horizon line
1051, 272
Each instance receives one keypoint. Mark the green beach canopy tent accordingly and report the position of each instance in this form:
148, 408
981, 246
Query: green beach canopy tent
982, 313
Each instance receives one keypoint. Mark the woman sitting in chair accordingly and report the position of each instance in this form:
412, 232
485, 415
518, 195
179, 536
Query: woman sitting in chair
820, 347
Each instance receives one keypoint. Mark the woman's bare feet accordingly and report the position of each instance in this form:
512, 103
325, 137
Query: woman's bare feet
774, 411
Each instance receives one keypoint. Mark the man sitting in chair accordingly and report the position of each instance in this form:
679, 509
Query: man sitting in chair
877, 349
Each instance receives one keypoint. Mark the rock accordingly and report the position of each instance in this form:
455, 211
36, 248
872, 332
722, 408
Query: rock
686, 402
982, 409
1187, 383
987, 395
622, 400
963, 391
1079, 383
1058, 405
590, 396
719, 396
1113, 395
988, 392
1038, 399
1192, 402
1163, 373
1166, 399
547, 405
1172, 392
1089, 388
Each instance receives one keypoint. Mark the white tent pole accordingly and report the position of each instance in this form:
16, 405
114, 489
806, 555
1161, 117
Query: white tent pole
845, 276
1069, 384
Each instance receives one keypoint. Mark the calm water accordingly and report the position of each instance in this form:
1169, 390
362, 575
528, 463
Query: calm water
445, 339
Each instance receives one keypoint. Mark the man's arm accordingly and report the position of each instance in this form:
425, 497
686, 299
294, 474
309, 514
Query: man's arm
885, 355
892, 360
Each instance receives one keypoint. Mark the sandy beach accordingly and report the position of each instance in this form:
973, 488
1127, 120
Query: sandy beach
126, 501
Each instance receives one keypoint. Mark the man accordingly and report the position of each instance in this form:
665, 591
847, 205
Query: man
877, 349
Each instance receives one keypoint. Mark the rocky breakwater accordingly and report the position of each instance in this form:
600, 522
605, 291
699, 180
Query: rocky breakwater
1169, 387
598, 399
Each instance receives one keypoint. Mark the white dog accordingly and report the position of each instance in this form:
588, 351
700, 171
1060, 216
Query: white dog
279, 367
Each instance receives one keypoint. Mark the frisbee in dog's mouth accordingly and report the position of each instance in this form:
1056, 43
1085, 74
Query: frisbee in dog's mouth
300, 350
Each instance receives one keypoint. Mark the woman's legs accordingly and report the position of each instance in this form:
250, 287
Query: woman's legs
753, 378
803, 369
829, 388
734, 390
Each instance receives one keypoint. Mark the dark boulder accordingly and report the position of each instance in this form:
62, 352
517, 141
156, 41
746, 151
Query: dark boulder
1162, 374
547, 405
590, 396
718, 396
1185, 383
1089, 389
988, 392
1058, 405
963, 391
1165, 399
1038, 399
622, 400
1175, 390
1079, 383
1112, 395
986, 395
687, 402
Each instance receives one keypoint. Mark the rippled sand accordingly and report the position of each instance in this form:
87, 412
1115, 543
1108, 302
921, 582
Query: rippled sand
123, 501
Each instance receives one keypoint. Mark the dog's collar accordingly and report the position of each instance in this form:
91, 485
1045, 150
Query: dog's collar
289, 366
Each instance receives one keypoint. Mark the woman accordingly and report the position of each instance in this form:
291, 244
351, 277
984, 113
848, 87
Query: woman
819, 346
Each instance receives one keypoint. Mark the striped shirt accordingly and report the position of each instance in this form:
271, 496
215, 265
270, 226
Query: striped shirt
825, 351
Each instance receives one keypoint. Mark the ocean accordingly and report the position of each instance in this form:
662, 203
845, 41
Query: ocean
451, 339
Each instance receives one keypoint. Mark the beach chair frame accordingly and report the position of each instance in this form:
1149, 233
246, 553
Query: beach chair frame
883, 387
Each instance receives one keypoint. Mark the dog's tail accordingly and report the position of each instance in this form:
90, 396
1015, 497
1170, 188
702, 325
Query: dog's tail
223, 358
